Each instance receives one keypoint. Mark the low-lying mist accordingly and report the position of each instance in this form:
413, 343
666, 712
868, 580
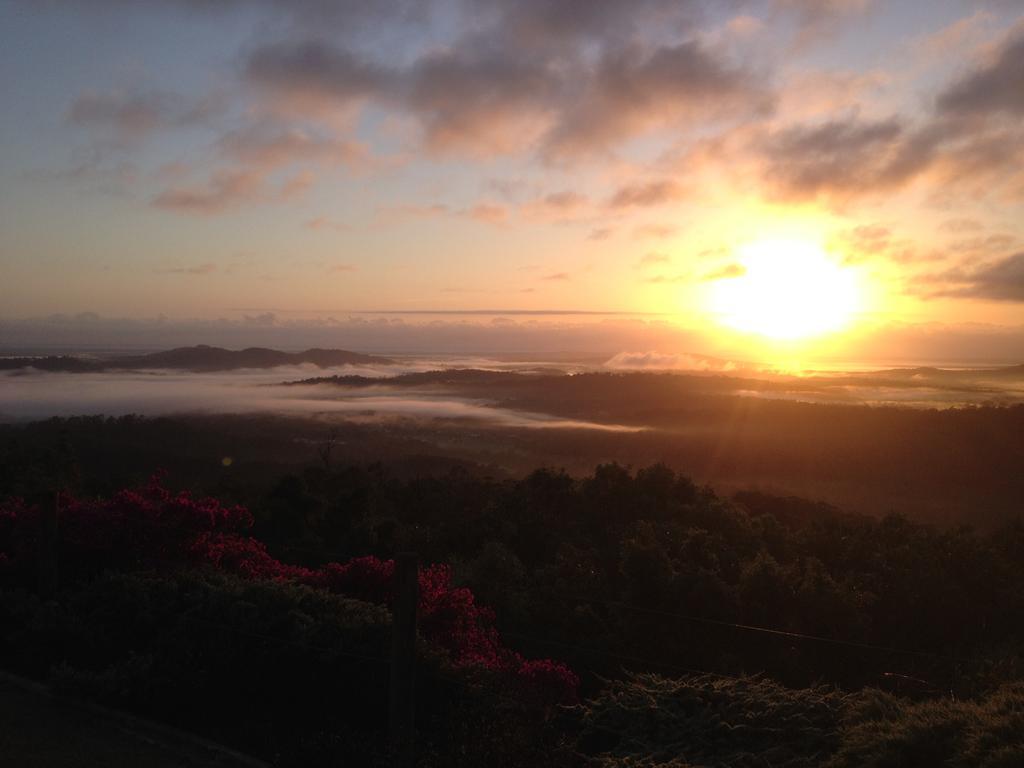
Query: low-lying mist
37, 395
30, 394
874, 442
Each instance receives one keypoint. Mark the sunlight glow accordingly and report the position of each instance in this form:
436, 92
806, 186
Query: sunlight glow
788, 290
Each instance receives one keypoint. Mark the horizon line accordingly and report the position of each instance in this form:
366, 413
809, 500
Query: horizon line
453, 311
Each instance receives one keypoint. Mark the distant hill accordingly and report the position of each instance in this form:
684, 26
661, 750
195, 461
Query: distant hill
466, 377
926, 372
53, 363
201, 358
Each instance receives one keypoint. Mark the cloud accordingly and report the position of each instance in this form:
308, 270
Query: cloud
808, 94
499, 77
109, 178
481, 94
864, 241
633, 90
225, 189
566, 199
654, 231
348, 16
262, 320
1001, 280
653, 259
994, 88
971, 146
973, 250
828, 139
415, 211
557, 206
129, 118
488, 213
644, 194
843, 159
983, 161
818, 20
875, 241
557, 276
312, 71
953, 39
682, 277
591, 47
535, 23
961, 225
199, 269
491, 100
297, 185
541, 24
727, 272
42, 395
478, 98
326, 85
658, 361
250, 155
268, 145
324, 223
484, 212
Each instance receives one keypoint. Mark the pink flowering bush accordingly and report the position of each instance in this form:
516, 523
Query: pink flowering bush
153, 528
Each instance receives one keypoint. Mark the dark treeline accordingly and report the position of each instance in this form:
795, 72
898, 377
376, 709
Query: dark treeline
620, 566
876, 637
627, 563
583, 392
949, 467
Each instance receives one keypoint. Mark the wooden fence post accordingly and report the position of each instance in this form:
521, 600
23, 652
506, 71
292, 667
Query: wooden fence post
403, 660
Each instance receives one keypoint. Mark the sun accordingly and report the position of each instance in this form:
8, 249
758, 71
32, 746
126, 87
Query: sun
786, 290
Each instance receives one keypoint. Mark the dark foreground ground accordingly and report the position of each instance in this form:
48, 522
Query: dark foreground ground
40, 731
670, 582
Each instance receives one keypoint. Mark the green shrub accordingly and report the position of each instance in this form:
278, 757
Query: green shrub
647, 721
881, 731
286, 671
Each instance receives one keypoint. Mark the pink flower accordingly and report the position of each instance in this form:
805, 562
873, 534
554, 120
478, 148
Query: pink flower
153, 528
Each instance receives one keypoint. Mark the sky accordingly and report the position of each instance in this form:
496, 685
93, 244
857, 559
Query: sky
516, 175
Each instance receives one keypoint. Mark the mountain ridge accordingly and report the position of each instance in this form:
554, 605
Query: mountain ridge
201, 358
